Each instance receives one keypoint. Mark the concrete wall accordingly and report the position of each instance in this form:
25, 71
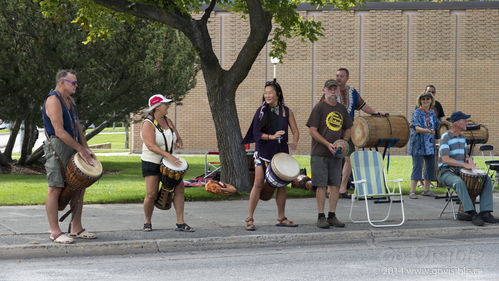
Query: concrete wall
393, 50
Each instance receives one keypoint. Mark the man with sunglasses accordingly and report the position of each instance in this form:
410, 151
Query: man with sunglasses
64, 138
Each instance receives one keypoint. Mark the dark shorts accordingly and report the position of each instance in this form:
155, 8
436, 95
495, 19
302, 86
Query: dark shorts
150, 169
326, 171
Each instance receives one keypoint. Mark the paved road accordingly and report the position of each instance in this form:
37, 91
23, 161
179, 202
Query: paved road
389, 259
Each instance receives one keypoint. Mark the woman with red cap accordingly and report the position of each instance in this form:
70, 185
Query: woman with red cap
159, 135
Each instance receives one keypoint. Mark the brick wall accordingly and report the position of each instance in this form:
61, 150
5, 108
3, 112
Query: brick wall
391, 54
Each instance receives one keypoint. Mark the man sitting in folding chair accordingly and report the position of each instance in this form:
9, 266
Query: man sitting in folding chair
452, 158
370, 183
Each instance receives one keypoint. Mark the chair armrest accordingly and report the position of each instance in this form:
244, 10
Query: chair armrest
397, 180
360, 181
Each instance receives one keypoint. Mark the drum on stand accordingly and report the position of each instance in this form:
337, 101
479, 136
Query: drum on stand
79, 175
282, 170
374, 131
171, 176
475, 133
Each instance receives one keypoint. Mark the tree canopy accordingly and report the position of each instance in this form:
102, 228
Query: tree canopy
191, 17
116, 76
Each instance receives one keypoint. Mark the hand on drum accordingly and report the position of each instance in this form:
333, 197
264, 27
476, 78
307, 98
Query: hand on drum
469, 164
87, 155
174, 160
333, 148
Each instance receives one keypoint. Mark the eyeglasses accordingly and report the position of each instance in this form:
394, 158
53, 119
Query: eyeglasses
73, 82
430, 92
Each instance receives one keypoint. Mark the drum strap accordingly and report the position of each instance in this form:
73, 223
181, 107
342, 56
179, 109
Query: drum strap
156, 124
61, 166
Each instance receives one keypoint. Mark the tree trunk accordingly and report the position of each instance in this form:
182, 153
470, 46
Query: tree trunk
232, 154
127, 123
12, 139
29, 139
3, 160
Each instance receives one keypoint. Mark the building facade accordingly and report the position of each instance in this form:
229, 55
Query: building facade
393, 50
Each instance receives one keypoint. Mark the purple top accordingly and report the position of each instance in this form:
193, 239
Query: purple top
268, 148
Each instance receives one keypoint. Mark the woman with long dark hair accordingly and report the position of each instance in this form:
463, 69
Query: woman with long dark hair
269, 132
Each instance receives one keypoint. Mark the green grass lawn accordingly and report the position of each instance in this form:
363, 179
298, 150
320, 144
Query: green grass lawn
123, 182
117, 142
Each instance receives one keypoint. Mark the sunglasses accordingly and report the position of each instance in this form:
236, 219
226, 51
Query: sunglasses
430, 92
73, 82
425, 98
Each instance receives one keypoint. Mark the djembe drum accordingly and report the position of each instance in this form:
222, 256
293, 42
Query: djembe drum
79, 175
171, 176
474, 180
282, 169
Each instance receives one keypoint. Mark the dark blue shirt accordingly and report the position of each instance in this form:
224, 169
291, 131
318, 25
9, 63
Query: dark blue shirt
69, 117
268, 148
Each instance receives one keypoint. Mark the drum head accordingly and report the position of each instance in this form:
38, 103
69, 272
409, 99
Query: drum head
343, 144
174, 167
93, 171
360, 132
285, 166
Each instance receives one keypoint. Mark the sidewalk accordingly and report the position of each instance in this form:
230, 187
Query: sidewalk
219, 225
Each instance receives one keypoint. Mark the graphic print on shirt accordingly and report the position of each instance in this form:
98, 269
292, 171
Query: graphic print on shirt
334, 121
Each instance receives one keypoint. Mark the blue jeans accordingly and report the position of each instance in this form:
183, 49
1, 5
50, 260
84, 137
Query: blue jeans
448, 178
417, 167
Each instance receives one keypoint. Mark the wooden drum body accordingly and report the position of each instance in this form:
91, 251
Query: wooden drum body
171, 176
374, 131
79, 175
474, 180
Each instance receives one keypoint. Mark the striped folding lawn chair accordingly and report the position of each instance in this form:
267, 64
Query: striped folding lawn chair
370, 183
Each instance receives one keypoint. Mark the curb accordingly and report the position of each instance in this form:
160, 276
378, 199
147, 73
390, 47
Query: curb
234, 242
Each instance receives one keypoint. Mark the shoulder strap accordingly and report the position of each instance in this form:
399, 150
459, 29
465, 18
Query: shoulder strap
158, 126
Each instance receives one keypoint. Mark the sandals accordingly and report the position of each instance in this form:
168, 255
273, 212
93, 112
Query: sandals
428, 193
249, 224
147, 227
345, 195
83, 234
285, 222
61, 238
413, 195
184, 227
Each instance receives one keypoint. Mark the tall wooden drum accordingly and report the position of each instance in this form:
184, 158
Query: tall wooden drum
373, 131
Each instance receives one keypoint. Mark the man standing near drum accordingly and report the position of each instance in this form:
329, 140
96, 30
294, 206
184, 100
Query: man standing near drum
328, 122
64, 137
452, 158
351, 99
159, 135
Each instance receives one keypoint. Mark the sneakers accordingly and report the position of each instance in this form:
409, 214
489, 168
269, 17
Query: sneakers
322, 222
488, 217
464, 217
477, 220
334, 221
